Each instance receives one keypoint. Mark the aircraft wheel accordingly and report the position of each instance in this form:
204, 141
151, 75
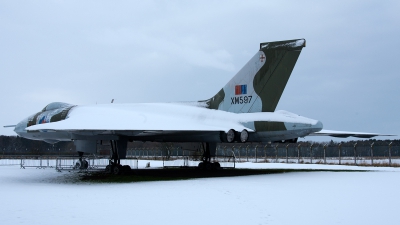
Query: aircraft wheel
201, 165
126, 168
117, 169
109, 169
81, 164
77, 165
244, 136
84, 165
230, 136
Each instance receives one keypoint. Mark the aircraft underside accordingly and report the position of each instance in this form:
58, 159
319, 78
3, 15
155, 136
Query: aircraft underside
168, 136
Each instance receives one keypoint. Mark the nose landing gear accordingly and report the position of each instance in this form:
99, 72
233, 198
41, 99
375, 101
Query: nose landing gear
81, 164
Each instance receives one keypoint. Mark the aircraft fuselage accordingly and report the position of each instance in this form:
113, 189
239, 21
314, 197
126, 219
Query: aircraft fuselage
137, 124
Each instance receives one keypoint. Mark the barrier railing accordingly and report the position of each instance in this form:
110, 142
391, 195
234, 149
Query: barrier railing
93, 163
39, 162
62, 162
10, 162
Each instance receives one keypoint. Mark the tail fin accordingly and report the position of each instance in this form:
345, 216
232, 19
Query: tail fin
258, 86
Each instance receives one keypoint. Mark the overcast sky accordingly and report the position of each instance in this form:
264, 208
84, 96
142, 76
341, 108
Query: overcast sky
88, 52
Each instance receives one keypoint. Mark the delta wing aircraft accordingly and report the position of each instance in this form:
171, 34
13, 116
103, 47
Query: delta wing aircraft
242, 111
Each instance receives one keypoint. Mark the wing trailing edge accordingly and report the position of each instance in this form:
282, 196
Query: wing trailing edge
346, 134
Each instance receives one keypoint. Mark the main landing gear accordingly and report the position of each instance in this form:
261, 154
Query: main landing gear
114, 166
209, 150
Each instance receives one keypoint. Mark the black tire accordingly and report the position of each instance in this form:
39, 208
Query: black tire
201, 165
84, 165
77, 165
117, 170
126, 169
109, 169
216, 165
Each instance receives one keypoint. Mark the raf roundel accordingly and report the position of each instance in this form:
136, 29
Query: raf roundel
262, 57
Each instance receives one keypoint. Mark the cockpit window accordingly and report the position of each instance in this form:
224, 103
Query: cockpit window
56, 105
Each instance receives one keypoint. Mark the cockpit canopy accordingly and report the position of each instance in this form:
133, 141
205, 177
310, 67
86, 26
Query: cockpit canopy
56, 105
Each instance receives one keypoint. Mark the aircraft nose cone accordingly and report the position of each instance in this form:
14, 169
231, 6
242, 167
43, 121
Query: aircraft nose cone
20, 127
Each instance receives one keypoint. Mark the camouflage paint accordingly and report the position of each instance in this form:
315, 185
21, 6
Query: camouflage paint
269, 126
53, 112
214, 102
270, 81
265, 75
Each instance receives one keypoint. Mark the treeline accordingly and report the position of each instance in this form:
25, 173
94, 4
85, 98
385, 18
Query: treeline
14, 145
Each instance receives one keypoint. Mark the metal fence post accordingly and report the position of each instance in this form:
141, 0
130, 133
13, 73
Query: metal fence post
276, 153
265, 152
255, 154
239, 153
372, 153
224, 153
325, 153
390, 153
355, 153
340, 153
216, 150
247, 152
298, 153
233, 150
287, 159
311, 156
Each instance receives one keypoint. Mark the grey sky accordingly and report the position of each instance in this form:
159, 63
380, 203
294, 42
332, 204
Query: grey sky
160, 51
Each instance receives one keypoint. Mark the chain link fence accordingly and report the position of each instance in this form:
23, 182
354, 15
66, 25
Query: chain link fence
346, 153
349, 153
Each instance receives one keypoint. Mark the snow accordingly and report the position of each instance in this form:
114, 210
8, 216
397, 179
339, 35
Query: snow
44, 196
341, 132
299, 43
292, 44
162, 116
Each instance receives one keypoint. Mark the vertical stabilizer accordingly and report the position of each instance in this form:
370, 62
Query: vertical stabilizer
259, 85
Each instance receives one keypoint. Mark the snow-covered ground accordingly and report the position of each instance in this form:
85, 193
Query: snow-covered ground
44, 196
